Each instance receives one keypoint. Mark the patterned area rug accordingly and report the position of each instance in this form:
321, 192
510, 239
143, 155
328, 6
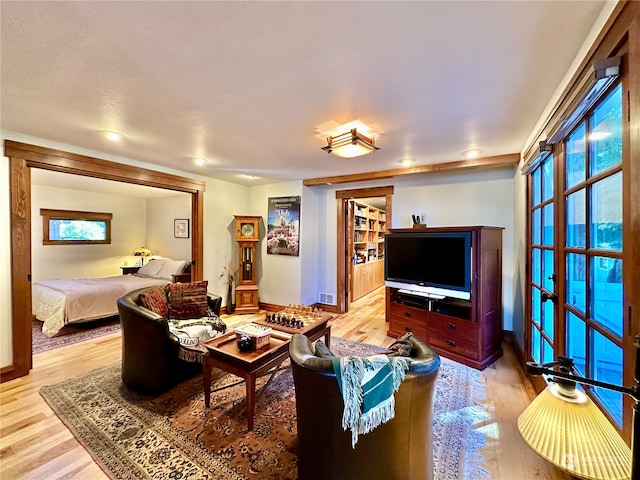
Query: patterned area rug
175, 436
73, 333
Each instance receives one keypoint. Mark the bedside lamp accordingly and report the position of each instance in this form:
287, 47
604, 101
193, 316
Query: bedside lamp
142, 252
567, 429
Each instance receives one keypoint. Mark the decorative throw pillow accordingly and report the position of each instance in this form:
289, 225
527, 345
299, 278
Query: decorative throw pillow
155, 300
401, 347
187, 300
321, 350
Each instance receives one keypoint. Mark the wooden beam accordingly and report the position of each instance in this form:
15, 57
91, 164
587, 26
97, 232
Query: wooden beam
66, 162
499, 161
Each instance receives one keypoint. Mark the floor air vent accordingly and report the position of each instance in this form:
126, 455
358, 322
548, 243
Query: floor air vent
327, 299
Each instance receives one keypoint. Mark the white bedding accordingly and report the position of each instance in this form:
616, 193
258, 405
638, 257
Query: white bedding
58, 302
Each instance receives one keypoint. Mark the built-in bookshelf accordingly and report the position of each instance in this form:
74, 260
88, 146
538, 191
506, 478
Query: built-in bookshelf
369, 227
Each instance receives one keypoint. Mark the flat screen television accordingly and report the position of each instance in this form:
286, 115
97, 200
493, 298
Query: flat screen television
435, 264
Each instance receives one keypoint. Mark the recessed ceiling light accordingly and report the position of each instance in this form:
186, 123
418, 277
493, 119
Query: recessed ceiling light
250, 177
407, 161
113, 136
472, 153
200, 161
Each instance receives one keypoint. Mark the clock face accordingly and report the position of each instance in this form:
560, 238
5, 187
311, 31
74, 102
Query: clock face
246, 230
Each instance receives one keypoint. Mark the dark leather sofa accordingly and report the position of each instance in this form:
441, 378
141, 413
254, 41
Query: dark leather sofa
400, 449
150, 362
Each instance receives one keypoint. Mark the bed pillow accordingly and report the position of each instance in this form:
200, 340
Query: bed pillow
155, 300
187, 300
151, 268
171, 267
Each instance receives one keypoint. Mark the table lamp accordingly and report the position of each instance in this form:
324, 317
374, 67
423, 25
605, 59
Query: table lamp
142, 252
566, 428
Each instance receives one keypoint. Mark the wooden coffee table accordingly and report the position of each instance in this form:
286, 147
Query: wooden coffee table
223, 353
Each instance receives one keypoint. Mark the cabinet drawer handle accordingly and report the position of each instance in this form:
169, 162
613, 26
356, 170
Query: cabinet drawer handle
408, 314
452, 326
451, 343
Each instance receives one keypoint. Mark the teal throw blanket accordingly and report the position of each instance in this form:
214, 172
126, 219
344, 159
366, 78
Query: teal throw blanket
367, 385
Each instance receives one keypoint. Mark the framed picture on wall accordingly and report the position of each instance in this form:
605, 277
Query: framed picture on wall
283, 226
181, 228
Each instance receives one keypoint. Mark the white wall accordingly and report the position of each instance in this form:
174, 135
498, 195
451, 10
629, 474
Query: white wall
446, 199
519, 256
84, 261
279, 276
160, 214
6, 351
221, 201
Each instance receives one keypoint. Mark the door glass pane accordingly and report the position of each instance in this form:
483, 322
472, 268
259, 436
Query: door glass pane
547, 178
576, 281
547, 352
535, 227
606, 298
547, 224
606, 366
605, 138
575, 157
606, 213
547, 270
535, 344
576, 331
576, 215
535, 188
535, 305
536, 268
547, 319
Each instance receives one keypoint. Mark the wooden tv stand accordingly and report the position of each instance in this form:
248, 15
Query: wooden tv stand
467, 331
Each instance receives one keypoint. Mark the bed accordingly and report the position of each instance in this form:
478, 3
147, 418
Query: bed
63, 301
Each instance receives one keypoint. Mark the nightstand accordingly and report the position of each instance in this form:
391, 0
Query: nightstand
128, 270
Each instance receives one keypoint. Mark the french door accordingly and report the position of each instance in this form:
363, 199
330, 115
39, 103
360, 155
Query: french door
576, 251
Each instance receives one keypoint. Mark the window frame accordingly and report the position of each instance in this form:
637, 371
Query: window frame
51, 214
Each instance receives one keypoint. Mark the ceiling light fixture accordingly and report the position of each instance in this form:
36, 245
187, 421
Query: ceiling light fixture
350, 144
113, 136
200, 161
472, 152
407, 161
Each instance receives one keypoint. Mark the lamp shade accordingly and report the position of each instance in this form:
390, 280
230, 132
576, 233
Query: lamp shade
142, 252
574, 435
350, 144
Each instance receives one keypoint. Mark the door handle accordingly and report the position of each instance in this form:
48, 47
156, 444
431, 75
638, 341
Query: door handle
546, 296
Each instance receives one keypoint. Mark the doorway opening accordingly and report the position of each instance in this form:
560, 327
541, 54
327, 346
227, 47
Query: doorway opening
24, 157
360, 248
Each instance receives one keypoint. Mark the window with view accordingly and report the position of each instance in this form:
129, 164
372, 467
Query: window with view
68, 227
593, 250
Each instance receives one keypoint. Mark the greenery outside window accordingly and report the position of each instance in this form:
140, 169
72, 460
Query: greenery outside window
69, 227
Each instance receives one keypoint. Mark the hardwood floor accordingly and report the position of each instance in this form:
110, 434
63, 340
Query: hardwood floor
35, 444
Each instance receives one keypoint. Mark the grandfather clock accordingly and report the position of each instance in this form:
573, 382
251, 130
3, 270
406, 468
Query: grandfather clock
247, 237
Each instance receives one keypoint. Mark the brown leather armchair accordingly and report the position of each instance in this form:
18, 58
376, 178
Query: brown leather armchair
150, 361
400, 449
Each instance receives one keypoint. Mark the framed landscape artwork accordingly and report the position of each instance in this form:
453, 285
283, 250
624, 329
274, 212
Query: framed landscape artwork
283, 226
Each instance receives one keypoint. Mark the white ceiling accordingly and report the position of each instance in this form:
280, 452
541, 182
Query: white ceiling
247, 84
